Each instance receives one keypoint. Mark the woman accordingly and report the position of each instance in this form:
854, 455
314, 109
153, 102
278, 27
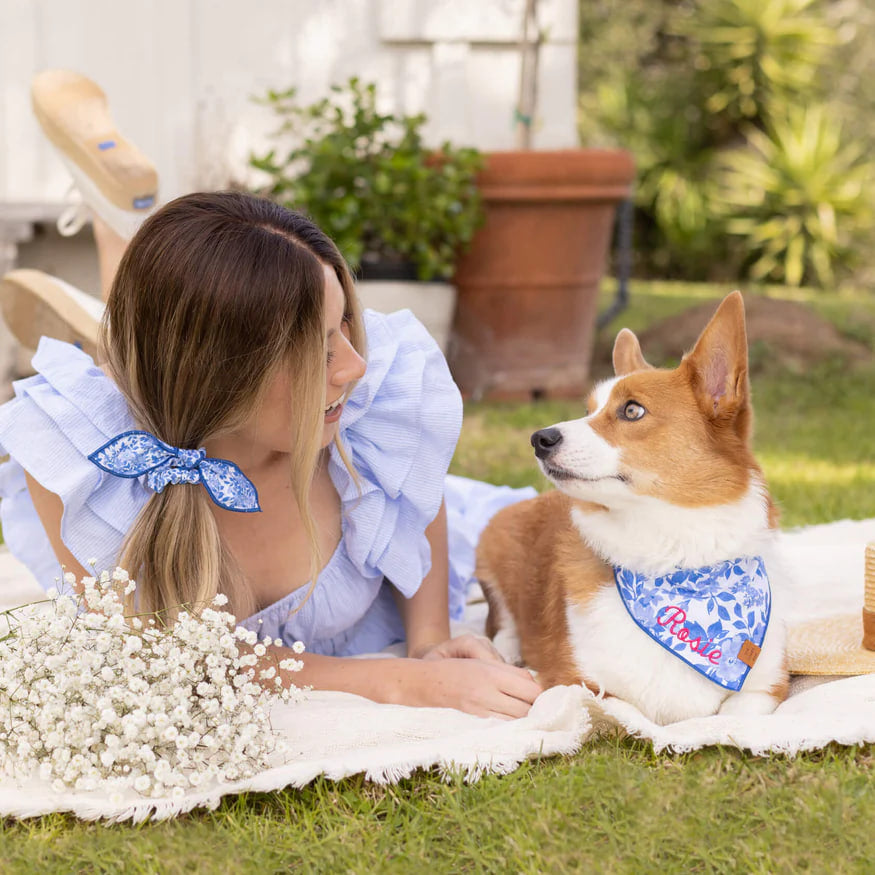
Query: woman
235, 328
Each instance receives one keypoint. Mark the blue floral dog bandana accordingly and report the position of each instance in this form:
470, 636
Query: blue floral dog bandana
135, 453
713, 618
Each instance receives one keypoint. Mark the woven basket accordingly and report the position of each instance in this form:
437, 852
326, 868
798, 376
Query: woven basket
840, 645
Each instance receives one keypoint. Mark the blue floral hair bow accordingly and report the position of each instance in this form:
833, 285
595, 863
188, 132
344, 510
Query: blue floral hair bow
134, 453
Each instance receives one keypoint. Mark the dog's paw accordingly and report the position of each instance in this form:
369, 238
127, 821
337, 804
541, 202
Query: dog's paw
507, 643
748, 704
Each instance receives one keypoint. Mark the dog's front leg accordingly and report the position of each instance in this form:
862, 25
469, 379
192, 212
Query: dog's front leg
749, 704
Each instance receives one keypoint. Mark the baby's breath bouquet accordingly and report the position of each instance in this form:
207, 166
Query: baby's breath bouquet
92, 697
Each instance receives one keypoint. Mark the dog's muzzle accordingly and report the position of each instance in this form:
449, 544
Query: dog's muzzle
546, 441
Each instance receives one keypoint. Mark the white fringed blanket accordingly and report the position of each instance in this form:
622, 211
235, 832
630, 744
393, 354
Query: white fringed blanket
337, 735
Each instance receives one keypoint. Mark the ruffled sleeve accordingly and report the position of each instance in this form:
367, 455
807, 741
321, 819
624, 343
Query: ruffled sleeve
400, 427
69, 409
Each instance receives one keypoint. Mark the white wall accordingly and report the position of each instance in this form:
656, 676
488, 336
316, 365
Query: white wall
180, 74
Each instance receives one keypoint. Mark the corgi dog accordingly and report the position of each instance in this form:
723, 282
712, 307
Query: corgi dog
646, 574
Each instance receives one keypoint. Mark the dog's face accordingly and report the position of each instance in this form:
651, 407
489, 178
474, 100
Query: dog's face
681, 436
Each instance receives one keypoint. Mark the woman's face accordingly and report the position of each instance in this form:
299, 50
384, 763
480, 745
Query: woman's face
344, 365
270, 427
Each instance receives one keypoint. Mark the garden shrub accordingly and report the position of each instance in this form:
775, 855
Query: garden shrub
706, 93
369, 181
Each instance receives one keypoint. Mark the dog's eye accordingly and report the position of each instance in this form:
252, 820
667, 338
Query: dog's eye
631, 411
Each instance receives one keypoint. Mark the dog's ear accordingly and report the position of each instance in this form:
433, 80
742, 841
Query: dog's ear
717, 366
627, 354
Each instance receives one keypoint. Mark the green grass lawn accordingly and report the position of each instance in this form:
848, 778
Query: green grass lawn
615, 806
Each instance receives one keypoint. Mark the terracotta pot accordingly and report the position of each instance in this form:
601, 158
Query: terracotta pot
528, 287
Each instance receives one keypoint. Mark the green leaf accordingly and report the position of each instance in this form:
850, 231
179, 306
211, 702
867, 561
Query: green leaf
367, 179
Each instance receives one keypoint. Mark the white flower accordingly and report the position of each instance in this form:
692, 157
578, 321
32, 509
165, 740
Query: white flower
133, 644
298, 647
90, 698
107, 758
291, 664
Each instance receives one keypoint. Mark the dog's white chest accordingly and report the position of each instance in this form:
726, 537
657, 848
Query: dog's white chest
617, 656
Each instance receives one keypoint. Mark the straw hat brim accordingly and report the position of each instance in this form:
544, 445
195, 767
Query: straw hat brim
832, 646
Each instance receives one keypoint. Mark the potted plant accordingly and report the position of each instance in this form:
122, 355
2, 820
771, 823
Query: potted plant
399, 211
528, 286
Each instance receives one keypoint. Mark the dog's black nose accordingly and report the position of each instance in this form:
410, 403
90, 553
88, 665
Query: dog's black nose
545, 441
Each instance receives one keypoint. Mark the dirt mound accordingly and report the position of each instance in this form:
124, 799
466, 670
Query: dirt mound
780, 334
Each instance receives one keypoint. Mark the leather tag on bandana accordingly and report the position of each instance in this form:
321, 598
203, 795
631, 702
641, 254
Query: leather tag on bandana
748, 653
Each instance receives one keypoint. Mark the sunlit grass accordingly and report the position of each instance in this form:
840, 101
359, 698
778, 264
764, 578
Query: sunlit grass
817, 472
614, 808
818, 491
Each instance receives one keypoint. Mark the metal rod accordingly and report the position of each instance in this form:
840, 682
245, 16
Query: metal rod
625, 215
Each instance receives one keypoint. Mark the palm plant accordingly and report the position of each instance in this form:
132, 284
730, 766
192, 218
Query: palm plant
799, 194
749, 51
674, 158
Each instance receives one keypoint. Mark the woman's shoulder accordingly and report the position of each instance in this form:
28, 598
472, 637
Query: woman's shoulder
70, 391
399, 426
406, 404
405, 364
66, 411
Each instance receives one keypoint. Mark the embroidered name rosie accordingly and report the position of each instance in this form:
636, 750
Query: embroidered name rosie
713, 618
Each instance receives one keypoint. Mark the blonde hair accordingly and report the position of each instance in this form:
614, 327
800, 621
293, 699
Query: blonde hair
214, 295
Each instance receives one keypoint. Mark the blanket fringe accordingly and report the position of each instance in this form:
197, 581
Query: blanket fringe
487, 747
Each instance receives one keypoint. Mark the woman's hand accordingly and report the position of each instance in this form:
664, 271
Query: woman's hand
484, 687
462, 647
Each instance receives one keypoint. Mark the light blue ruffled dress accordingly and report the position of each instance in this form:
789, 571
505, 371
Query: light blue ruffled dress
400, 426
